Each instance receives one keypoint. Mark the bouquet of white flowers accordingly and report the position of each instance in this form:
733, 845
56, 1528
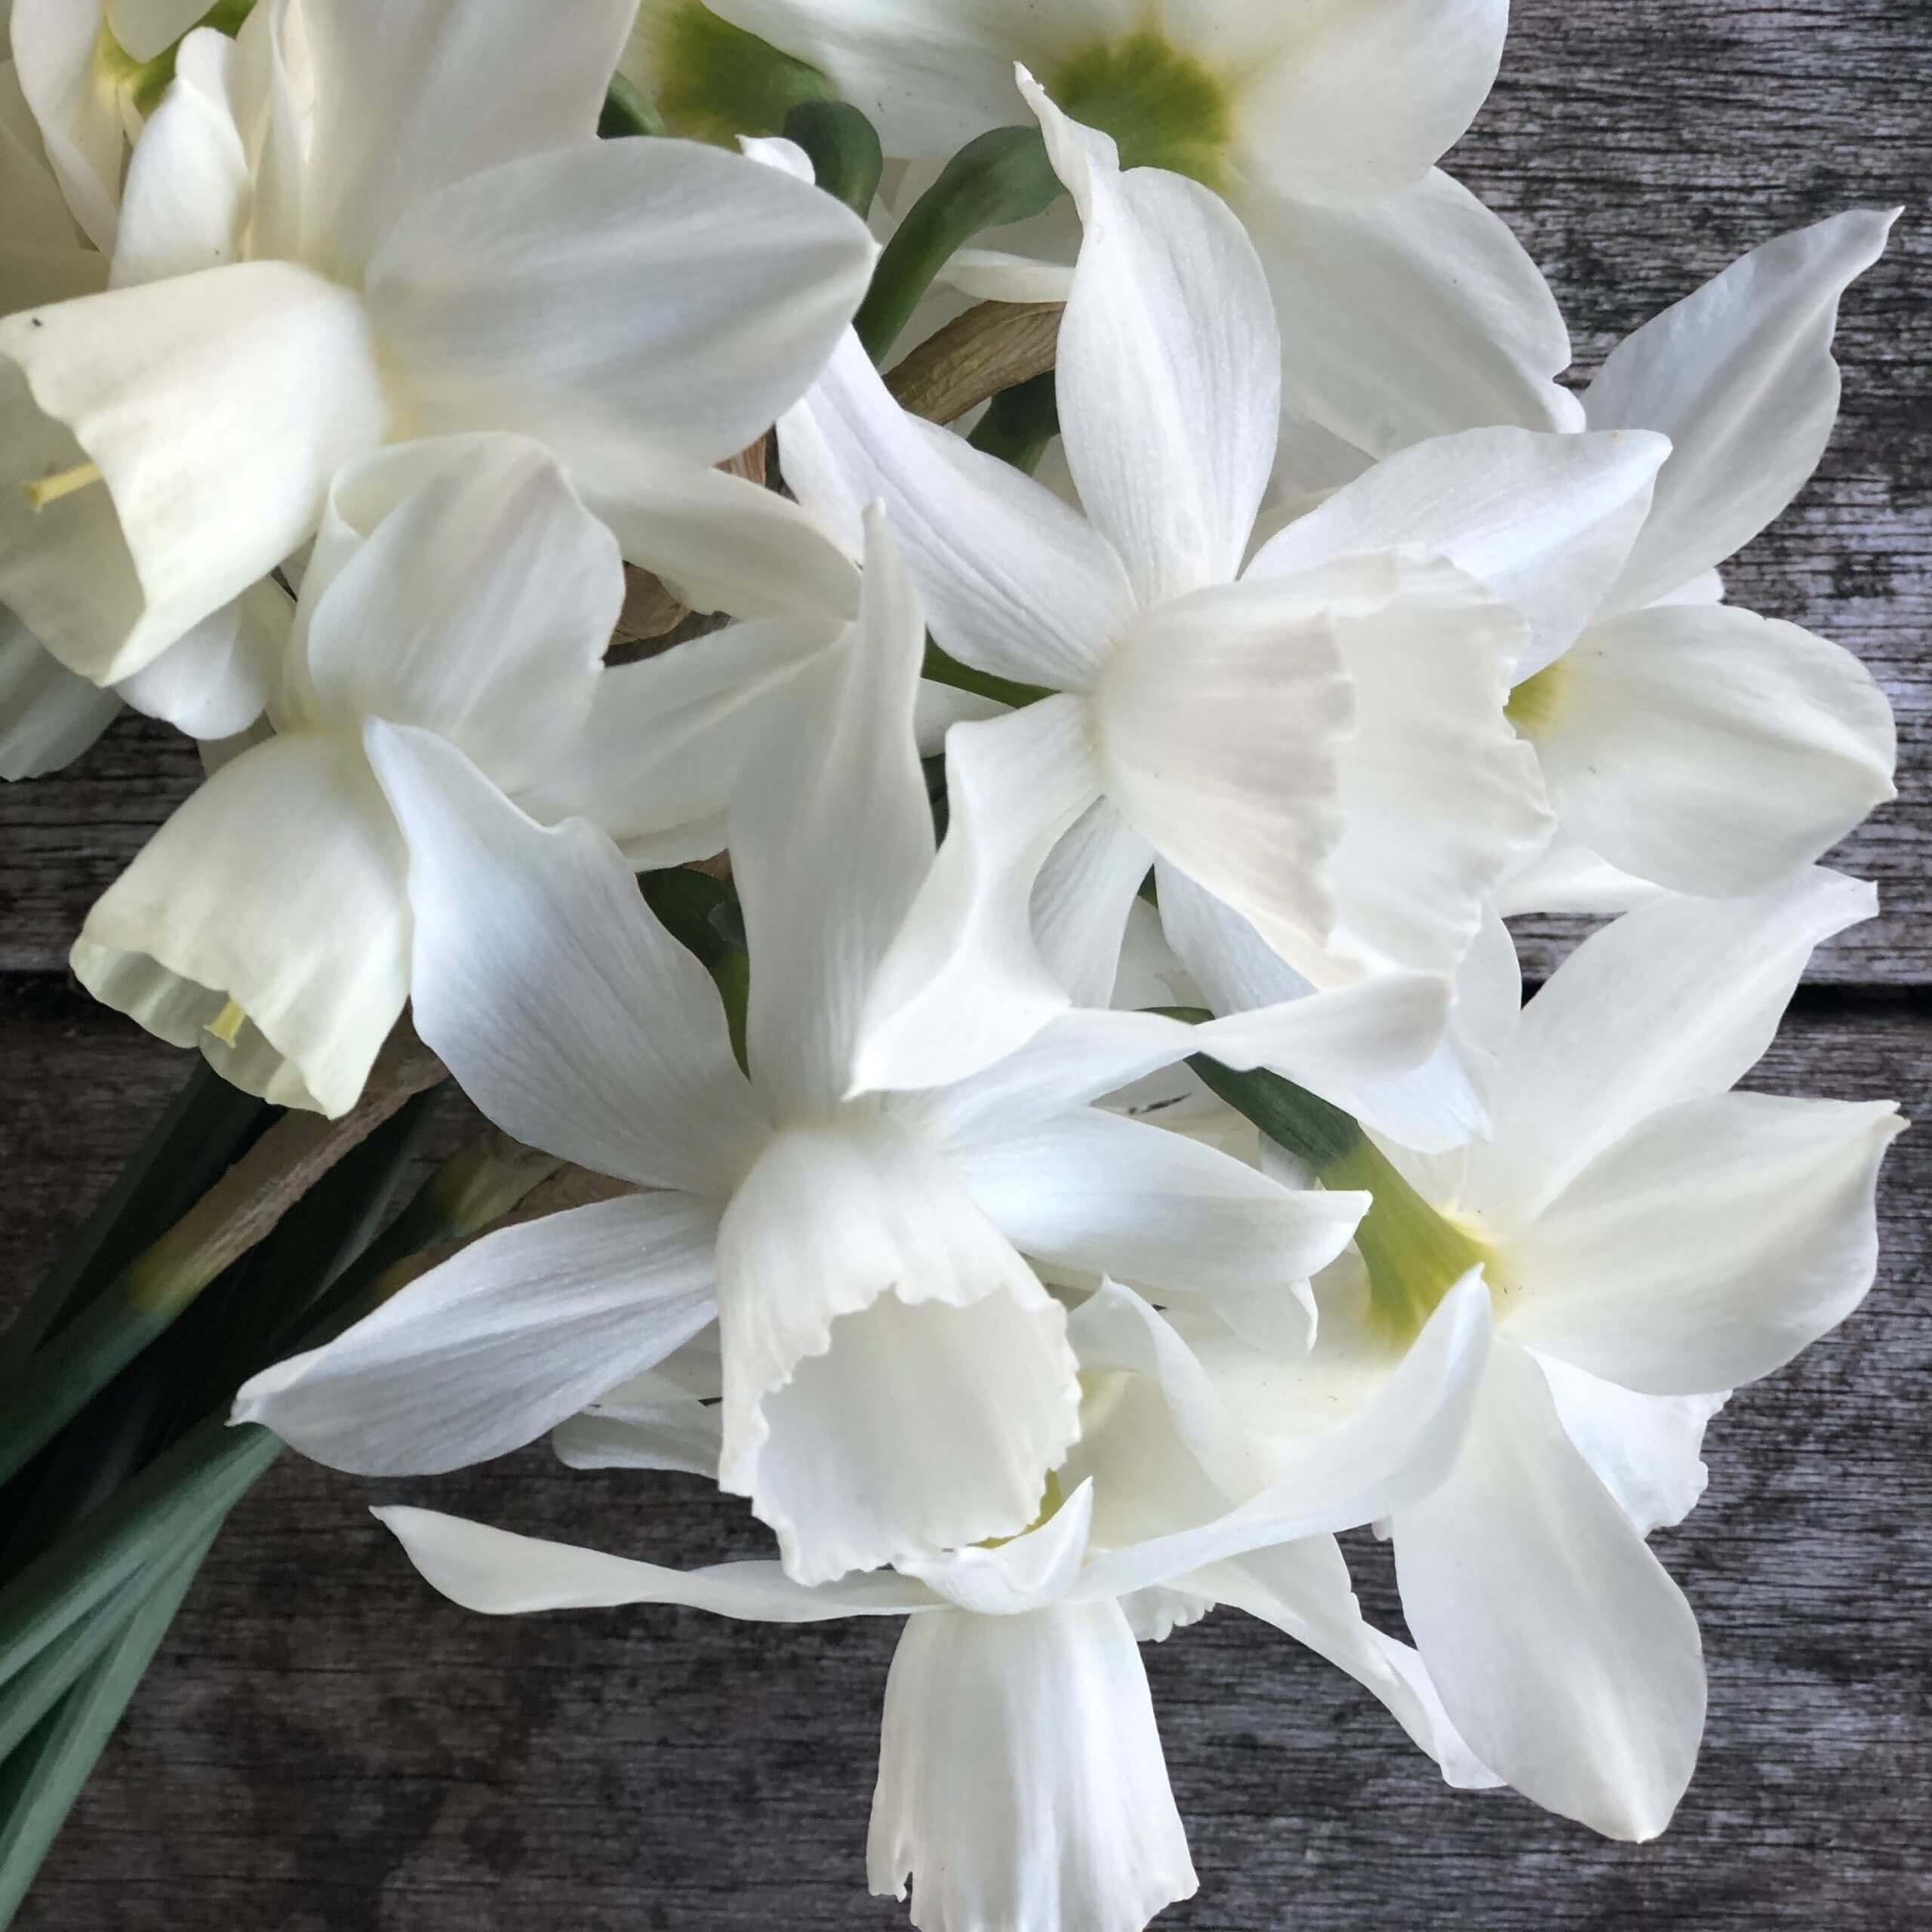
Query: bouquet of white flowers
993, 997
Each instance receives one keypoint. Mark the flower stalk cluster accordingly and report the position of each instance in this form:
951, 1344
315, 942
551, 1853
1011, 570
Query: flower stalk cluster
991, 998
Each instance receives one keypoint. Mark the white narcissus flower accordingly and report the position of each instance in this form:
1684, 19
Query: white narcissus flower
460, 587
1323, 747
1021, 1779
1685, 744
896, 1380
440, 245
1407, 308
1650, 1239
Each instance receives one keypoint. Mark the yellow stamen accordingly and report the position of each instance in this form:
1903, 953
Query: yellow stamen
52, 489
227, 1025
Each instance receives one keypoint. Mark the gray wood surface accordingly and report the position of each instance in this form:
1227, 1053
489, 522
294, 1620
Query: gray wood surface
324, 1746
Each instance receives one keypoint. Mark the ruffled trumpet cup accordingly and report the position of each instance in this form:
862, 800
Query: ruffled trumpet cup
413, 257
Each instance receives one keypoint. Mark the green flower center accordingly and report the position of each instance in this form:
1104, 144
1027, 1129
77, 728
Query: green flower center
1533, 704
714, 82
1163, 107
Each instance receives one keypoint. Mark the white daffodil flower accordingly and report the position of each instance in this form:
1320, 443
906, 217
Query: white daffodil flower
91, 72
1649, 1238
460, 587
1408, 308
1021, 1777
1685, 744
439, 244
1323, 747
896, 1380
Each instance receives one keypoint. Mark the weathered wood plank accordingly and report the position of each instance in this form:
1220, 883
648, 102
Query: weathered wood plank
323, 1744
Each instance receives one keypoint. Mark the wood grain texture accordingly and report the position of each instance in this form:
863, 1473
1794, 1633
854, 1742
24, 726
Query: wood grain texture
324, 1746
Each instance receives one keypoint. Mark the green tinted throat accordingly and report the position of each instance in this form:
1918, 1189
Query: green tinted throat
715, 81
1164, 107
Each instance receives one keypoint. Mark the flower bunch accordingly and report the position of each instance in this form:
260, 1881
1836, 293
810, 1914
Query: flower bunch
993, 1004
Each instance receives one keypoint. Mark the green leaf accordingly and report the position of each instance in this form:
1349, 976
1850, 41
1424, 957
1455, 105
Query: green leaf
627, 112
1003, 177
43, 1684
844, 150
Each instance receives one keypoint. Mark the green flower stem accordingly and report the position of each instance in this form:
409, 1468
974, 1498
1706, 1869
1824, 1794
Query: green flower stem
182, 1495
844, 150
627, 110
1003, 177
182, 1157
1413, 1255
39, 1397
943, 669
41, 1778
1019, 423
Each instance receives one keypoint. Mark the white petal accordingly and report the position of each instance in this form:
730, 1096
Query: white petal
1170, 305
722, 542
1092, 1191
214, 681
1389, 1452
895, 1379
1415, 316
1021, 1782
1566, 876
278, 885
833, 775
1708, 1246
53, 47
648, 1423
565, 1009
1359, 101
144, 28
1220, 722
478, 608
964, 983
186, 203
666, 739
1563, 1653
407, 103
48, 716
1024, 1574
483, 1354
1545, 521
1082, 899
1647, 1451
1014, 582
217, 407
1711, 751
1739, 376
1675, 1002
616, 297
501, 1575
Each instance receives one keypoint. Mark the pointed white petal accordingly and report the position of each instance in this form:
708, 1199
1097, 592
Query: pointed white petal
484, 1353
1021, 1781
1545, 521
615, 298
1711, 751
1023, 1573
1082, 899
502, 1575
214, 681
1014, 582
143, 29
648, 1423
1170, 305
1564, 1654
895, 1379
48, 714
964, 983
1414, 316
278, 885
1566, 876
1739, 377
217, 407
565, 1011
1708, 1246
833, 775
478, 608
408, 103
1647, 1451
1675, 1002
1091, 1191
53, 47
